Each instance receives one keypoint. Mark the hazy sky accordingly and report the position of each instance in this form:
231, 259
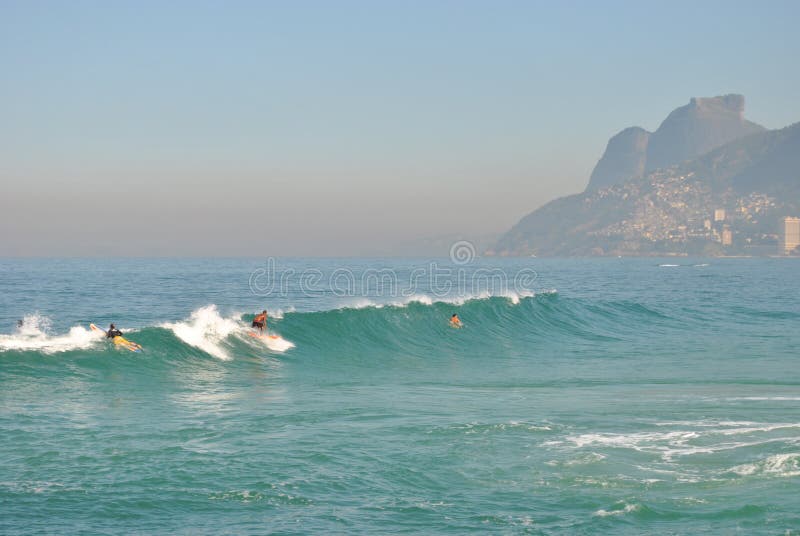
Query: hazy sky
343, 128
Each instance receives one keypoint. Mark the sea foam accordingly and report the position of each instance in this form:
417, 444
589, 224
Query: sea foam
783, 465
206, 329
33, 334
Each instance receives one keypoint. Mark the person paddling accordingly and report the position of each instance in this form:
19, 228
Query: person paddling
113, 332
260, 321
455, 321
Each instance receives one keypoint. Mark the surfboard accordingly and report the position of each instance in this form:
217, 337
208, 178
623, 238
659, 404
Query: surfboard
120, 341
260, 336
276, 343
128, 345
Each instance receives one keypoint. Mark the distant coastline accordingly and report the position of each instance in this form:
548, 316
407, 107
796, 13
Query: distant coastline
738, 199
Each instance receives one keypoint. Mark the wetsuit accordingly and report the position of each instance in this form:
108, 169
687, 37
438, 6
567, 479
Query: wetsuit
113, 333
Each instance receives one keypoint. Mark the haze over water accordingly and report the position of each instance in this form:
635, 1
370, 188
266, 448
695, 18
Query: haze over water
350, 128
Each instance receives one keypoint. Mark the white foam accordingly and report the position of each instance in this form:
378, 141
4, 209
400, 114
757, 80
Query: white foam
765, 398
418, 298
278, 313
776, 465
362, 303
706, 423
754, 429
693, 500
583, 459
206, 329
634, 441
367, 303
424, 299
730, 428
37, 486
33, 335
278, 344
669, 444
34, 325
626, 509
510, 295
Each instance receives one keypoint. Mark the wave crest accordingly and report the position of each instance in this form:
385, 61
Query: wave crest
33, 334
206, 329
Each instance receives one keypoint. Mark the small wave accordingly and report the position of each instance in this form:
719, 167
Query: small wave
487, 428
625, 508
707, 423
782, 465
670, 444
37, 487
764, 398
668, 265
636, 441
583, 459
33, 334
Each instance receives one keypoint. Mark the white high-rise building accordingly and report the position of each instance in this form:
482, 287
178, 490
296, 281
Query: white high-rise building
790, 235
727, 236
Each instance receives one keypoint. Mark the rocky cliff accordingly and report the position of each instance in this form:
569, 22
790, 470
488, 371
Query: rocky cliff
727, 201
689, 131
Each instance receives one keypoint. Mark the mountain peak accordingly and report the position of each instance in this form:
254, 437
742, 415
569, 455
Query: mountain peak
730, 200
697, 128
689, 131
731, 103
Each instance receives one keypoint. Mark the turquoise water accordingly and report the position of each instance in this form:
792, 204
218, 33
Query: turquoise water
611, 396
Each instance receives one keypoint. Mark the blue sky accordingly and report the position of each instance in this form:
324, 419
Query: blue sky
324, 128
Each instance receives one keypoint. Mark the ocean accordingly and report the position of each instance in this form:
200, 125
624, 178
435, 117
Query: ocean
582, 396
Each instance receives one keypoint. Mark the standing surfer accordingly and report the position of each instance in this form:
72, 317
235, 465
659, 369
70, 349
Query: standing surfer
260, 321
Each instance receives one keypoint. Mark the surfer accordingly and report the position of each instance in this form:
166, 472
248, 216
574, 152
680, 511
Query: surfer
113, 332
455, 321
260, 321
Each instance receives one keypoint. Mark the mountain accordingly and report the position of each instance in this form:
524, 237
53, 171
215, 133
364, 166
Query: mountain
778, 172
727, 201
697, 128
625, 158
689, 131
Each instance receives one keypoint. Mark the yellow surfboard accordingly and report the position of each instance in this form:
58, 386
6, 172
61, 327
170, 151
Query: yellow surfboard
120, 341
